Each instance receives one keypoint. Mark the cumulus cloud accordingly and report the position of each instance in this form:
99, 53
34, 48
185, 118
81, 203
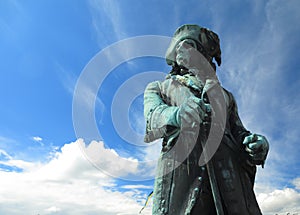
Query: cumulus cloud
273, 199
52, 209
108, 160
278, 201
68, 184
139, 168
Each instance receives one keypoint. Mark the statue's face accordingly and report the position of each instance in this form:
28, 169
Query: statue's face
183, 52
188, 57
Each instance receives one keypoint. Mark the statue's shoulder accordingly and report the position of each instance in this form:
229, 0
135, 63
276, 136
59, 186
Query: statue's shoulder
228, 93
158, 85
231, 99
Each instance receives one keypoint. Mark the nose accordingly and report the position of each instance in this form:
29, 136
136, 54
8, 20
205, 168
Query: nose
182, 47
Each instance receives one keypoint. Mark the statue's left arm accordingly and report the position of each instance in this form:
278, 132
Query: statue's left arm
255, 145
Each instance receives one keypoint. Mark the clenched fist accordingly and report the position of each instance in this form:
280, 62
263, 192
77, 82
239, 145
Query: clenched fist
193, 112
257, 147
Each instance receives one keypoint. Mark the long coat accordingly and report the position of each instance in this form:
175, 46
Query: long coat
183, 187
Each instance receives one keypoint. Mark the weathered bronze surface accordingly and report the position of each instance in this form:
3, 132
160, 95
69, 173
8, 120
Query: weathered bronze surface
208, 159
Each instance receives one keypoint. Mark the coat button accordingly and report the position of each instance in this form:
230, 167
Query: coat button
193, 201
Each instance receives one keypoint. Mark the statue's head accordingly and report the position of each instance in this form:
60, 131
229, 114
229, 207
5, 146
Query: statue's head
204, 40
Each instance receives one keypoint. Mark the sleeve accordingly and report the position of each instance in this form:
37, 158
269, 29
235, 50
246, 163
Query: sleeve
237, 128
161, 119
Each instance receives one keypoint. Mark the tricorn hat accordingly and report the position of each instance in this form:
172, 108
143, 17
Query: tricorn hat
208, 43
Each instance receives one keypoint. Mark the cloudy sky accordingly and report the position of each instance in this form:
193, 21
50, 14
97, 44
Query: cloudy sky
71, 110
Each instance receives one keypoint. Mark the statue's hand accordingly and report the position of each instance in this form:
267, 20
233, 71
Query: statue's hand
257, 147
193, 112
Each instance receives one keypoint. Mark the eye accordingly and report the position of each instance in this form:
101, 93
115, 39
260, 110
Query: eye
189, 43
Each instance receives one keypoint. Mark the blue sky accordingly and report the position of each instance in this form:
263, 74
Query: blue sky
46, 47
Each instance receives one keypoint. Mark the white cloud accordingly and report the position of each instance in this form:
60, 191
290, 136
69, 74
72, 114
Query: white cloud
296, 182
8, 161
139, 168
4, 155
68, 184
87, 95
274, 200
138, 186
108, 160
23, 165
111, 12
278, 201
52, 209
37, 139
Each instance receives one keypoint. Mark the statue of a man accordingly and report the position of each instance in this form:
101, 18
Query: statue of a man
208, 159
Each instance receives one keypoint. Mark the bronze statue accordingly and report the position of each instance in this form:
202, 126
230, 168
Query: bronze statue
208, 159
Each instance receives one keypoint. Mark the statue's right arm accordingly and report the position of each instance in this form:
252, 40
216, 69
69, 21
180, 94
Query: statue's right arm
162, 120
